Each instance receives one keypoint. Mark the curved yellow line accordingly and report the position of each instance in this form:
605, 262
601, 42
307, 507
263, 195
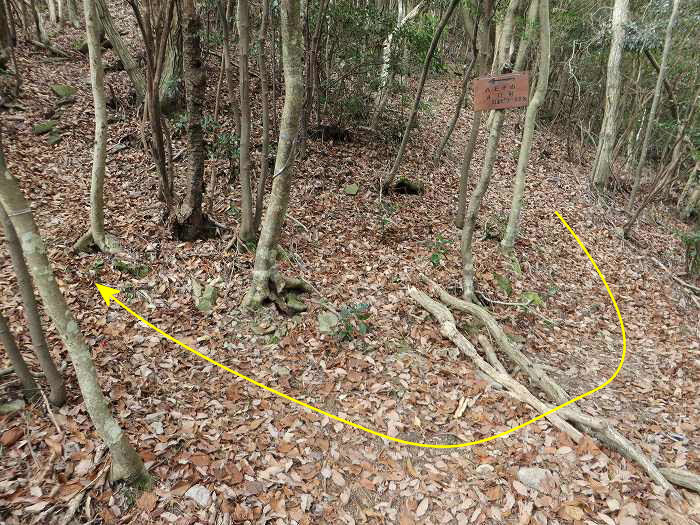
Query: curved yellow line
403, 441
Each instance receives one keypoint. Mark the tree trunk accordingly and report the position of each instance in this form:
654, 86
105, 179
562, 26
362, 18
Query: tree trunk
126, 463
460, 104
121, 50
31, 312
262, 67
53, 13
191, 221
6, 41
651, 120
528, 131
389, 178
608, 129
29, 386
246, 230
74, 16
96, 234
265, 273
496, 124
230, 85
484, 54
386, 76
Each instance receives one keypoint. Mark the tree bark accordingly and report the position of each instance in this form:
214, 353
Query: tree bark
191, 221
246, 230
265, 273
465, 167
496, 124
528, 130
608, 129
262, 67
29, 386
460, 100
389, 178
230, 85
126, 463
386, 76
96, 234
651, 120
57, 396
121, 50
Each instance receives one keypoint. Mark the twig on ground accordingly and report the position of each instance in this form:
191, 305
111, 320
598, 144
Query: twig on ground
680, 281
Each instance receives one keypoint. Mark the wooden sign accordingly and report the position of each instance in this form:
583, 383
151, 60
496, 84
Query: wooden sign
501, 91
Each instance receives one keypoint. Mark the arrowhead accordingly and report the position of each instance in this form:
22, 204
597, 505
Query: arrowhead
106, 292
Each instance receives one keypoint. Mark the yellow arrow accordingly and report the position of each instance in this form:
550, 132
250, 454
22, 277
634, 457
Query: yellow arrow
109, 293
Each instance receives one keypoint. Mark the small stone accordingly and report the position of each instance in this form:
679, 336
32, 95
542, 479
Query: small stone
44, 127
352, 189
484, 468
533, 477
327, 321
280, 370
63, 90
200, 494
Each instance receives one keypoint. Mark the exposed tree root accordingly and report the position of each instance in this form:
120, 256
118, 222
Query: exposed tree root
568, 419
87, 243
274, 287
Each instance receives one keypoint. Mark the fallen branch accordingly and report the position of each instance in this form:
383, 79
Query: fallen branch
597, 427
675, 278
682, 478
449, 330
51, 49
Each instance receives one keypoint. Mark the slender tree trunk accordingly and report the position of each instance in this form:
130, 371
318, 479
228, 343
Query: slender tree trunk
6, 40
126, 463
191, 220
74, 15
39, 23
496, 124
262, 67
458, 107
57, 395
608, 130
386, 75
265, 273
528, 130
29, 386
53, 12
230, 84
246, 230
651, 120
667, 173
121, 50
96, 232
389, 178
484, 53
155, 39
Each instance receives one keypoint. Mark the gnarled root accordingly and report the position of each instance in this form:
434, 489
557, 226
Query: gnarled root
271, 285
87, 243
565, 417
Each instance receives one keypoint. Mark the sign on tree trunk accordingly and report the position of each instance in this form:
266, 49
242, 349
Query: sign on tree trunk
501, 91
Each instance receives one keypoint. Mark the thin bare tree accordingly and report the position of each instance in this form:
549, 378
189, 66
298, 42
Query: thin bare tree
126, 463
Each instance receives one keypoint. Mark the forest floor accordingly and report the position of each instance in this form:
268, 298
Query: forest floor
259, 458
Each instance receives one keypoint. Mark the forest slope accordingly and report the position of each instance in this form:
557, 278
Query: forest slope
258, 455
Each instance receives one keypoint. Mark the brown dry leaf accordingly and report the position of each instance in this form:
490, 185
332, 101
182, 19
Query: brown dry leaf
10, 437
147, 501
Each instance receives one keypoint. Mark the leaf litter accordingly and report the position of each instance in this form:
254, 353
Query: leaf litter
222, 451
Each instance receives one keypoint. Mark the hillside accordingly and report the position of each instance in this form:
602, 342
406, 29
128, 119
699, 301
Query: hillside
260, 458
